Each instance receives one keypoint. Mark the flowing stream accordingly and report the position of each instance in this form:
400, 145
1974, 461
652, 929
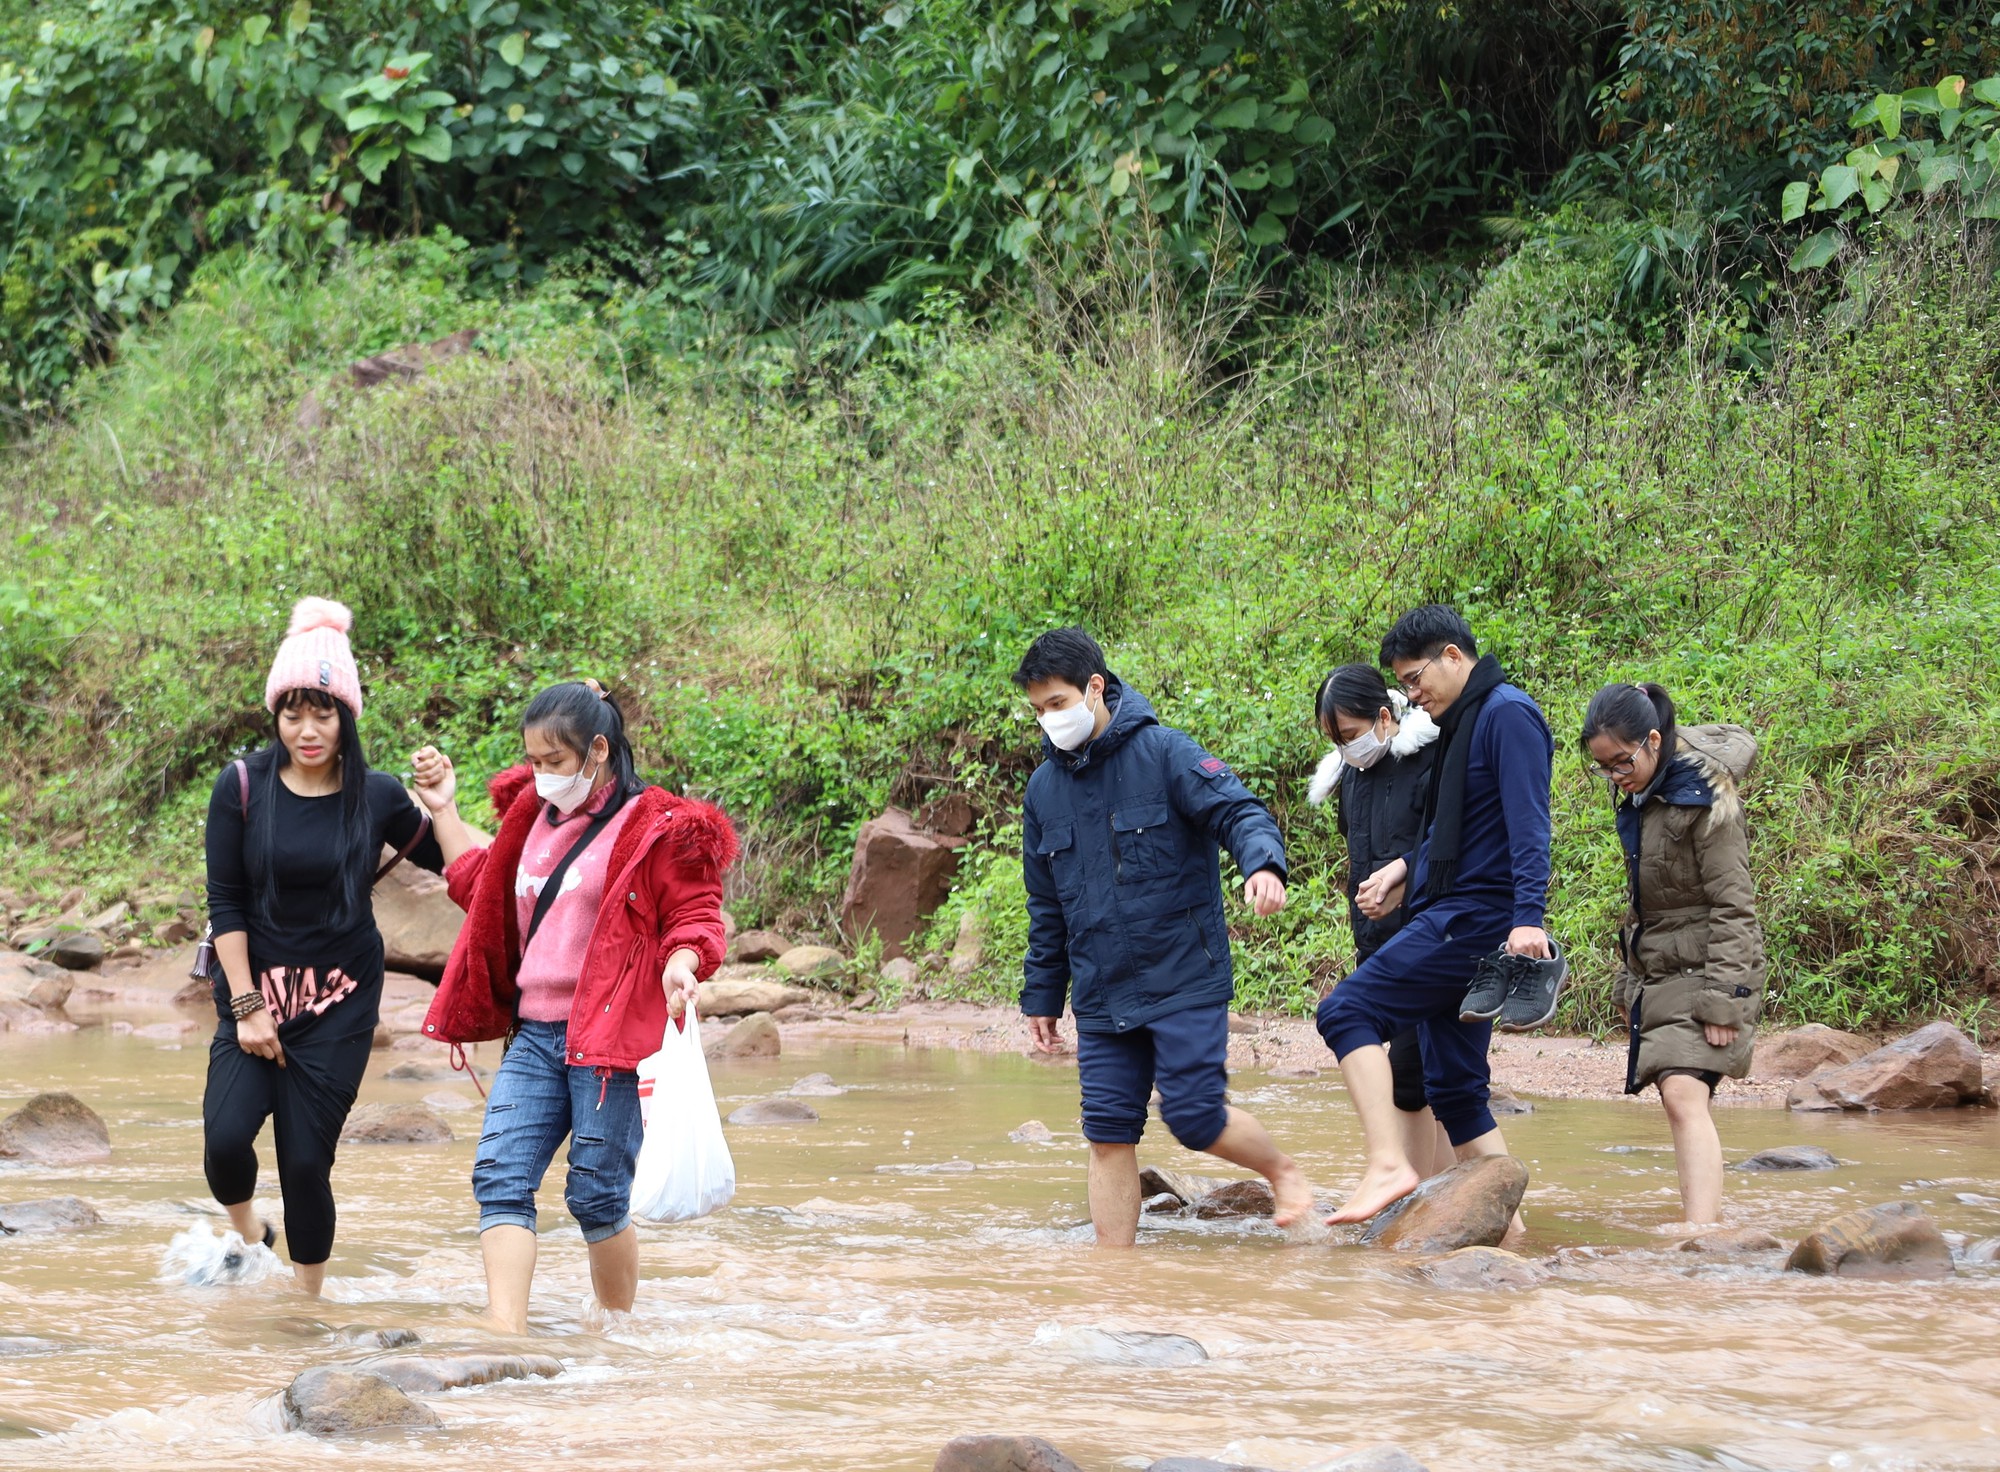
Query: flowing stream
901, 1272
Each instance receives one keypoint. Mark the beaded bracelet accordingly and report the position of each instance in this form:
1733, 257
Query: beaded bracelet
248, 1003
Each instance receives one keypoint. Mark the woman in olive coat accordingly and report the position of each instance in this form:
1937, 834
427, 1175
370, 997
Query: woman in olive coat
1691, 974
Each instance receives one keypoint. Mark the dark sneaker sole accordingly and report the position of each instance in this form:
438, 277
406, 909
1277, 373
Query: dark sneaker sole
1468, 1015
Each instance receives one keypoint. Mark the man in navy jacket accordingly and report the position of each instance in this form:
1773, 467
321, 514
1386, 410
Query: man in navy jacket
1477, 884
1120, 830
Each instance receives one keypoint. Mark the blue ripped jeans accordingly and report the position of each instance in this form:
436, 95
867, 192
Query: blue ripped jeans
538, 1098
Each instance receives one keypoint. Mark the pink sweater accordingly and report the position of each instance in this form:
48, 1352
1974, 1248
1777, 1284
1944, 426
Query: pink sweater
555, 956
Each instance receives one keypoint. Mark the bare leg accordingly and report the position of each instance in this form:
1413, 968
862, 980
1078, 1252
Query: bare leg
1245, 1142
1114, 1194
310, 1276
1420, 1137
243, 1217
1697, 1147
1388, 1176
614, 1270
510, 1271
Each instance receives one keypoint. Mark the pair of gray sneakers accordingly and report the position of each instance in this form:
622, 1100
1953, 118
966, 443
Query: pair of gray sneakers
1515, 993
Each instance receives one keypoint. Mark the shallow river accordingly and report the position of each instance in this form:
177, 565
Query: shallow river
854, 1310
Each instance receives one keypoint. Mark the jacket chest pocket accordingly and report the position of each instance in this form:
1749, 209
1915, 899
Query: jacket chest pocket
1143, 843
1058, 851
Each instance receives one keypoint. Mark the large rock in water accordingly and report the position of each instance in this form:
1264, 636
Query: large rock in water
1806, 1050
756, 1036
1470, 1205
1935, 1067
1142, 1348
1001, 1454
737, 996
1788, 1157
775, 1111
1484, 1268
395, 1124
333, 1400
55, 1214
1893, 1240
901, 875
418, 921
414, 1373
33, 982
1236, 1199
54, 1129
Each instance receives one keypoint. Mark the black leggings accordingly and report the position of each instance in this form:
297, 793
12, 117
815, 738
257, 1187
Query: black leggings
307, 1101
1406, 1068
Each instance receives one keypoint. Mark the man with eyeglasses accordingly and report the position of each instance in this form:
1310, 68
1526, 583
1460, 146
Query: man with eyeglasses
1473, 896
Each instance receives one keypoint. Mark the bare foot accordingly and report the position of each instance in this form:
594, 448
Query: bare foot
492, 1325
1292, 1196
1381, 1186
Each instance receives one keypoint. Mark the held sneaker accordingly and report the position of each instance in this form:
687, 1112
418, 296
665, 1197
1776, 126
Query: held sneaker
1532, 991
1488, 992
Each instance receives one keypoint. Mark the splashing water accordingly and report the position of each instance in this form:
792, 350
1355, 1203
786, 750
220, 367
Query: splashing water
203, 1258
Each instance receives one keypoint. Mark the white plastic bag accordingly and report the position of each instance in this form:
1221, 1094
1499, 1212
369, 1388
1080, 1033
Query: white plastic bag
684, 1169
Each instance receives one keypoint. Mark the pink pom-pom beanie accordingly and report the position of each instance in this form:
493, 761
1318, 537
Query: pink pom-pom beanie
316, 656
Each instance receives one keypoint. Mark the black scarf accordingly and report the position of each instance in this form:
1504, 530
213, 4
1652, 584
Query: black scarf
1444, 802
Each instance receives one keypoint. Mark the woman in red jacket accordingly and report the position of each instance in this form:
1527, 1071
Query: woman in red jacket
588, 919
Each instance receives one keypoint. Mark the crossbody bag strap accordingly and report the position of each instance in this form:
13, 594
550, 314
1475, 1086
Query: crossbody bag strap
423, 829
242, 788
552, 886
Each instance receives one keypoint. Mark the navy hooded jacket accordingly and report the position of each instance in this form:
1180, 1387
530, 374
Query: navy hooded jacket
1119, 841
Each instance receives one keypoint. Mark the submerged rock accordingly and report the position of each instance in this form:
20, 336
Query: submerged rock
817, 1086
1135, 1347
775, 1111
1806, 1050
1788, 1157
54, 1129
1505, 1101
1894, 1240
1200, 1464
54, 1214
1470, 1205
417, 1373
332, 1400
1032, 1132
756, 1036
1001, 1454
1935, 1067
14, 1345
1729, 1241
1386, 1457
1985, 1250
395, 1124
1484, 1268
1236, 1199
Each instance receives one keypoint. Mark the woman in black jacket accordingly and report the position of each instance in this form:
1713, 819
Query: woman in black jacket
295, 835
1380, 766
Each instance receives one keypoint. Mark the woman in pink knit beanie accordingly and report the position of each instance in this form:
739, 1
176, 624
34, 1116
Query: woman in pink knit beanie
295, 834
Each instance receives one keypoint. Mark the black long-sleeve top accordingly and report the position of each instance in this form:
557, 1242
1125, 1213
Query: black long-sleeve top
305, 927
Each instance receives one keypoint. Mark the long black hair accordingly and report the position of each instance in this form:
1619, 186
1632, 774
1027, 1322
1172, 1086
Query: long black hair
575, 715
1628, 712
357, 847
1356, 690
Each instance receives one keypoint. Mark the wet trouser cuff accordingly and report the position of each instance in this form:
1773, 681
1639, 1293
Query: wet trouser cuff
491, 1219
594, 1235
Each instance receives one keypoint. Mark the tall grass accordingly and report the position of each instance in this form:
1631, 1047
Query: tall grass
813, 600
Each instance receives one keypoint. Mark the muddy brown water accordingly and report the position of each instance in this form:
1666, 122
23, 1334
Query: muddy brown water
857, 1306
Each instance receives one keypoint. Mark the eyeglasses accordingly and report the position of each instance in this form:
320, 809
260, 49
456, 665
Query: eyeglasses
1413, 681
1625, 766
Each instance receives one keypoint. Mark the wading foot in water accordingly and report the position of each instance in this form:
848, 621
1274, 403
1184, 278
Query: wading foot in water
1383, 1184
1292, 1195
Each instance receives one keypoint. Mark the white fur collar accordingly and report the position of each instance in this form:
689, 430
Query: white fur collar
1414, 731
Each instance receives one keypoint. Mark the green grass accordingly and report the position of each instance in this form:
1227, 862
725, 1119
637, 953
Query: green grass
813, 600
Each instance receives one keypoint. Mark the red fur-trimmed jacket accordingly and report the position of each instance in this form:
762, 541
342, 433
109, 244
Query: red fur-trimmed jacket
662, 892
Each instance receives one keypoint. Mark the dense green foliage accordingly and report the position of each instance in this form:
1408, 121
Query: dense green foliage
780, 180
813, 604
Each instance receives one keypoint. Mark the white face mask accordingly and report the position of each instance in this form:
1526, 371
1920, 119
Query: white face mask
1364, 751
564, 794
1070, 727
